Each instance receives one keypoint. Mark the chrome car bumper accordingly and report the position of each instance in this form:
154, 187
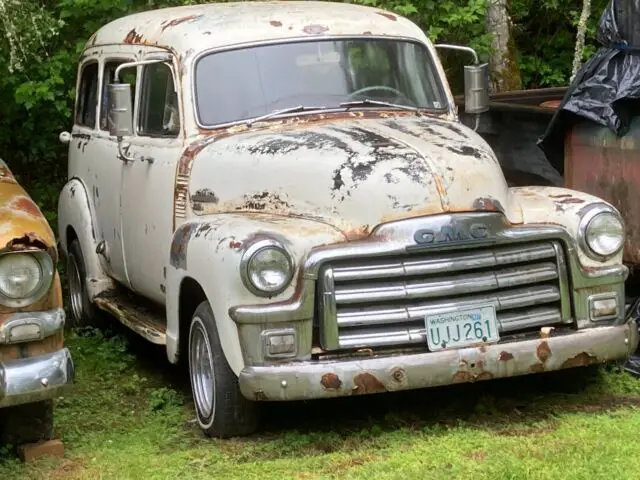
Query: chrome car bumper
326, 379
36, 378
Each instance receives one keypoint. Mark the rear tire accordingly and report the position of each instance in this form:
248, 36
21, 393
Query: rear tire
83, 312
28, 423
221, 409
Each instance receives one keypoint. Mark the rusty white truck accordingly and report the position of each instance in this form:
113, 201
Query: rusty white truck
282, 194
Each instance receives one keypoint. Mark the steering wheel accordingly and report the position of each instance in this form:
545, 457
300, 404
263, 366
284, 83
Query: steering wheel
397, 92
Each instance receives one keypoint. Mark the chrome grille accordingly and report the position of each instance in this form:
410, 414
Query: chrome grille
372, 302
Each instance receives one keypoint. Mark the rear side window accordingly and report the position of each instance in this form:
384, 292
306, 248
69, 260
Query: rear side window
88, 96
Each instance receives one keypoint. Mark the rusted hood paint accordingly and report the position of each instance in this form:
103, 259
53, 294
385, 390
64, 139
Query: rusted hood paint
22, 224
353, 174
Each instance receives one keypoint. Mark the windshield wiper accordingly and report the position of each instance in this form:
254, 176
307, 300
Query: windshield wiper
367, 101
299, 108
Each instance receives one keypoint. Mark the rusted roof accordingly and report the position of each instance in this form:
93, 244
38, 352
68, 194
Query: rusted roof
195, 28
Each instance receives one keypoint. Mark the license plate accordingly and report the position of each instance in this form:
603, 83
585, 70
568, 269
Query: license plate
461, 328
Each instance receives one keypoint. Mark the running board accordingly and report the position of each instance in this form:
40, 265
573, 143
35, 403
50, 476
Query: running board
135, 313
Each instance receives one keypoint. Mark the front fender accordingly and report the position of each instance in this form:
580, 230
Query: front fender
564, 207
209, 250
74, 210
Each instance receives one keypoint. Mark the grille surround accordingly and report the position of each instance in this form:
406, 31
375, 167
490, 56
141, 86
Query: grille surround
369, 302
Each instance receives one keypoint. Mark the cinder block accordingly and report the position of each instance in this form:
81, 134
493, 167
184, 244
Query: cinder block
32, 451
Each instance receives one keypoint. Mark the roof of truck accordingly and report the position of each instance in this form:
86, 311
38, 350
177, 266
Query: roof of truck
194, 28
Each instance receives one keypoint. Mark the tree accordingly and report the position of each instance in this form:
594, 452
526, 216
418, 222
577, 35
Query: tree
505, 72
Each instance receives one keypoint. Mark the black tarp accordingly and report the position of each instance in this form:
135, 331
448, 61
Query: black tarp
606, 90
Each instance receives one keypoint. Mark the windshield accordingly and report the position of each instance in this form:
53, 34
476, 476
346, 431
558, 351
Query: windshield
245, 83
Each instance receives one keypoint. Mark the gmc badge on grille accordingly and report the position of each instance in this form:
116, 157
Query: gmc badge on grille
451, 233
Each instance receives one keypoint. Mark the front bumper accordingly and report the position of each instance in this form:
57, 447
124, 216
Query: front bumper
326, 379
36, 378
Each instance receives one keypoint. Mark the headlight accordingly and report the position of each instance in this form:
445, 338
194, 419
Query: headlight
266, 268
602, 233
24, 277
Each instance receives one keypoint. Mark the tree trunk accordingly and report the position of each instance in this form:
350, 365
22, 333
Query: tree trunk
505, 74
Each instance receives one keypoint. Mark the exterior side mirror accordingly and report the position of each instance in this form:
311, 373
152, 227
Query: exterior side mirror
120, 114
476, 88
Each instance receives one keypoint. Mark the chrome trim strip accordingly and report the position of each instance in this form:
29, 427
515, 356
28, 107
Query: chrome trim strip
331, 378
48, 323
37, 378
563, 275
328, 327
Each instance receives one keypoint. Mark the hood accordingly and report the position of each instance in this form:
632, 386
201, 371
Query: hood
351, 173
22, 224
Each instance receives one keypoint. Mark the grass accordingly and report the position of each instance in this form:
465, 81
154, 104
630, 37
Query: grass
129, 416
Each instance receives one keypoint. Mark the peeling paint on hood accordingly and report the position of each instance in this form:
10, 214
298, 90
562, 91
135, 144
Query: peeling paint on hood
22, 223
353, 174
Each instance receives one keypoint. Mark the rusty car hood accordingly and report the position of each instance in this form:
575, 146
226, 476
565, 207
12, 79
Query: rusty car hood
22, 224
351, 173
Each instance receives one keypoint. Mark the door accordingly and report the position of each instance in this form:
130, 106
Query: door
148, 182
93, 159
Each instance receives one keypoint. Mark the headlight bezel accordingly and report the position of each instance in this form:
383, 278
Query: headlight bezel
254, 249
48, 271
585, 221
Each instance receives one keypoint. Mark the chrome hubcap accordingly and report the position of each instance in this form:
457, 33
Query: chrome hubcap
201, 368
75, 288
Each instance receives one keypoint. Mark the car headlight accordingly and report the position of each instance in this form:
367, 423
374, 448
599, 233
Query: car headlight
24, 277
602, 233
266, 268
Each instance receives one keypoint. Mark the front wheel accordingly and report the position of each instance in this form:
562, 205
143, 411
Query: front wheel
221, 409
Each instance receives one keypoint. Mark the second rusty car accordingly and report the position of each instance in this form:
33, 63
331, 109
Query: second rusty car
282, 195
35, 366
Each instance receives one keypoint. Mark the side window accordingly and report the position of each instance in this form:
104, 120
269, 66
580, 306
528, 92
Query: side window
127, 75
87, 103
159, 114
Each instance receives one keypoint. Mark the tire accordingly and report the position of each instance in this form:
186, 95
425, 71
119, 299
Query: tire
221, 409
83, 312
28, 423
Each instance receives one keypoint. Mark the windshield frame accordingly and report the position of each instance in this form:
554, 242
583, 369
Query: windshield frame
447, 109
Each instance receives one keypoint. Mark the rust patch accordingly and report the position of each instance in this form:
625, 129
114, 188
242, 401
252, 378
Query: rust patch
367, 33
572, 200
32, 349
260, 396
536, 368
178, 253
26, 205
398, 375
315, 29
275, 23
178, 21
366, 383
5, 173
387, 15
133, 37
262, 201
330, 381
358, 233
505, 356
581, 360
235, 245
488, 205
205, 195
543, 351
